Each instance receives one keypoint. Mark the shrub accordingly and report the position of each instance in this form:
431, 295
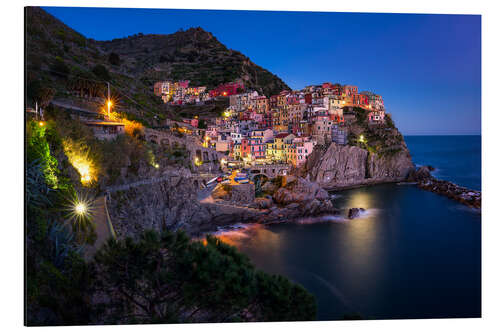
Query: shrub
59, 68
101, 72
114, 59
168, 278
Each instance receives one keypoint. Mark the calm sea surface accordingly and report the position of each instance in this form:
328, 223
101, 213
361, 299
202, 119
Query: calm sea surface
414, 254
456, 158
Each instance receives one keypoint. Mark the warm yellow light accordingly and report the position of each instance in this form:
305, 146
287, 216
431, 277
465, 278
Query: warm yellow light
85, 178
78, 156
361, 138
109, 103
41, 123
157, 165
80, 208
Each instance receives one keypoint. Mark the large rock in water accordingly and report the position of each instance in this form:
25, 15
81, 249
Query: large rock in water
344, 166
422, 174
298, 191
355, 212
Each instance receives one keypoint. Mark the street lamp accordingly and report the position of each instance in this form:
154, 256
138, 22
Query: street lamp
80, 208
109, 104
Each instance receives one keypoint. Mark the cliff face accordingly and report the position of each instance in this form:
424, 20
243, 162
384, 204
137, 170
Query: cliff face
169, 202
345, 166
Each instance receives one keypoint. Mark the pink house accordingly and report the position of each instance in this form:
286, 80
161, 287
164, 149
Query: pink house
304, 146
193, 122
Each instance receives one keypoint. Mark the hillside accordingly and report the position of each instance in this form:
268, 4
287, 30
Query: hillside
60, 61
195, 55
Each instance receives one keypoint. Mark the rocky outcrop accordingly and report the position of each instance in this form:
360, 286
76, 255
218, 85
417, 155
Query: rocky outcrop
426, 181
171, 202
340, 166
421, 174
298, 191
355, 212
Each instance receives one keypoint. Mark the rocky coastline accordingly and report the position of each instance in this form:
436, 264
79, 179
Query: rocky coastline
424, 180
174, 201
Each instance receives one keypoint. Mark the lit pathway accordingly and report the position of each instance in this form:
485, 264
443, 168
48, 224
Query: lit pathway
102, 228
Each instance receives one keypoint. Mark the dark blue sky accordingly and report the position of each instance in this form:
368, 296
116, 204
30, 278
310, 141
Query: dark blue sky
427, 67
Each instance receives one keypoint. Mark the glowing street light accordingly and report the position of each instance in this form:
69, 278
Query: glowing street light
80, 208
109, 104
41, 124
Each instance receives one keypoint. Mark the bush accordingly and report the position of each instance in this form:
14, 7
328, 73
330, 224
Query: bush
59, 68
101, 72
114, 59
168, 278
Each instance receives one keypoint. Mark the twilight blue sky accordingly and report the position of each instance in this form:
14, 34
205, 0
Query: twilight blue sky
427, 67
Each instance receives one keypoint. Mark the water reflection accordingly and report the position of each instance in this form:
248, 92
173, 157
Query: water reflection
251, 234
399, 260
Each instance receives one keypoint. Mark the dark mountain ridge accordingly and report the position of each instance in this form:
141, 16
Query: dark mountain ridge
57, 56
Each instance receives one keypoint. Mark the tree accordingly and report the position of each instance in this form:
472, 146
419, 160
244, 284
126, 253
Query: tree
167, 278
114, 59
59, 68
101, 72
39, 92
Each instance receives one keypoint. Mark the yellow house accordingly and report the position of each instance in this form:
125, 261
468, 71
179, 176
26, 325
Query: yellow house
281, 142
237, 151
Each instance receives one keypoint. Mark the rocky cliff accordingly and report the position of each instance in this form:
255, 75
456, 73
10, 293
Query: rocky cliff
170, 202
175, 201
339, 166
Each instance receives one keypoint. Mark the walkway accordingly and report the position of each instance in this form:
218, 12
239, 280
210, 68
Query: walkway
103, 229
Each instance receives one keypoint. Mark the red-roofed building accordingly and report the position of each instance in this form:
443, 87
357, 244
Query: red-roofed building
227, 89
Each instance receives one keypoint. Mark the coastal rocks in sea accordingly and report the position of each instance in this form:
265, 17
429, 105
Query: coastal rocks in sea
461, 194
426, 181
421, 174
340, 166
355, 212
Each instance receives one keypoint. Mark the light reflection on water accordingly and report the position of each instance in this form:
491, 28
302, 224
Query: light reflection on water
408, 256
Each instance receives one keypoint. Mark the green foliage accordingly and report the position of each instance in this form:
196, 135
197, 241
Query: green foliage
282, 300
389, 122
101, 72
114, 59
60, 68
40, 92
56, 276
38, 150
163, 278
202, 124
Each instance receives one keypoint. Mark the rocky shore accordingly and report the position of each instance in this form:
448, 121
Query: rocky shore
424, 180
294, 198
173, 202
340, 167
179, 201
